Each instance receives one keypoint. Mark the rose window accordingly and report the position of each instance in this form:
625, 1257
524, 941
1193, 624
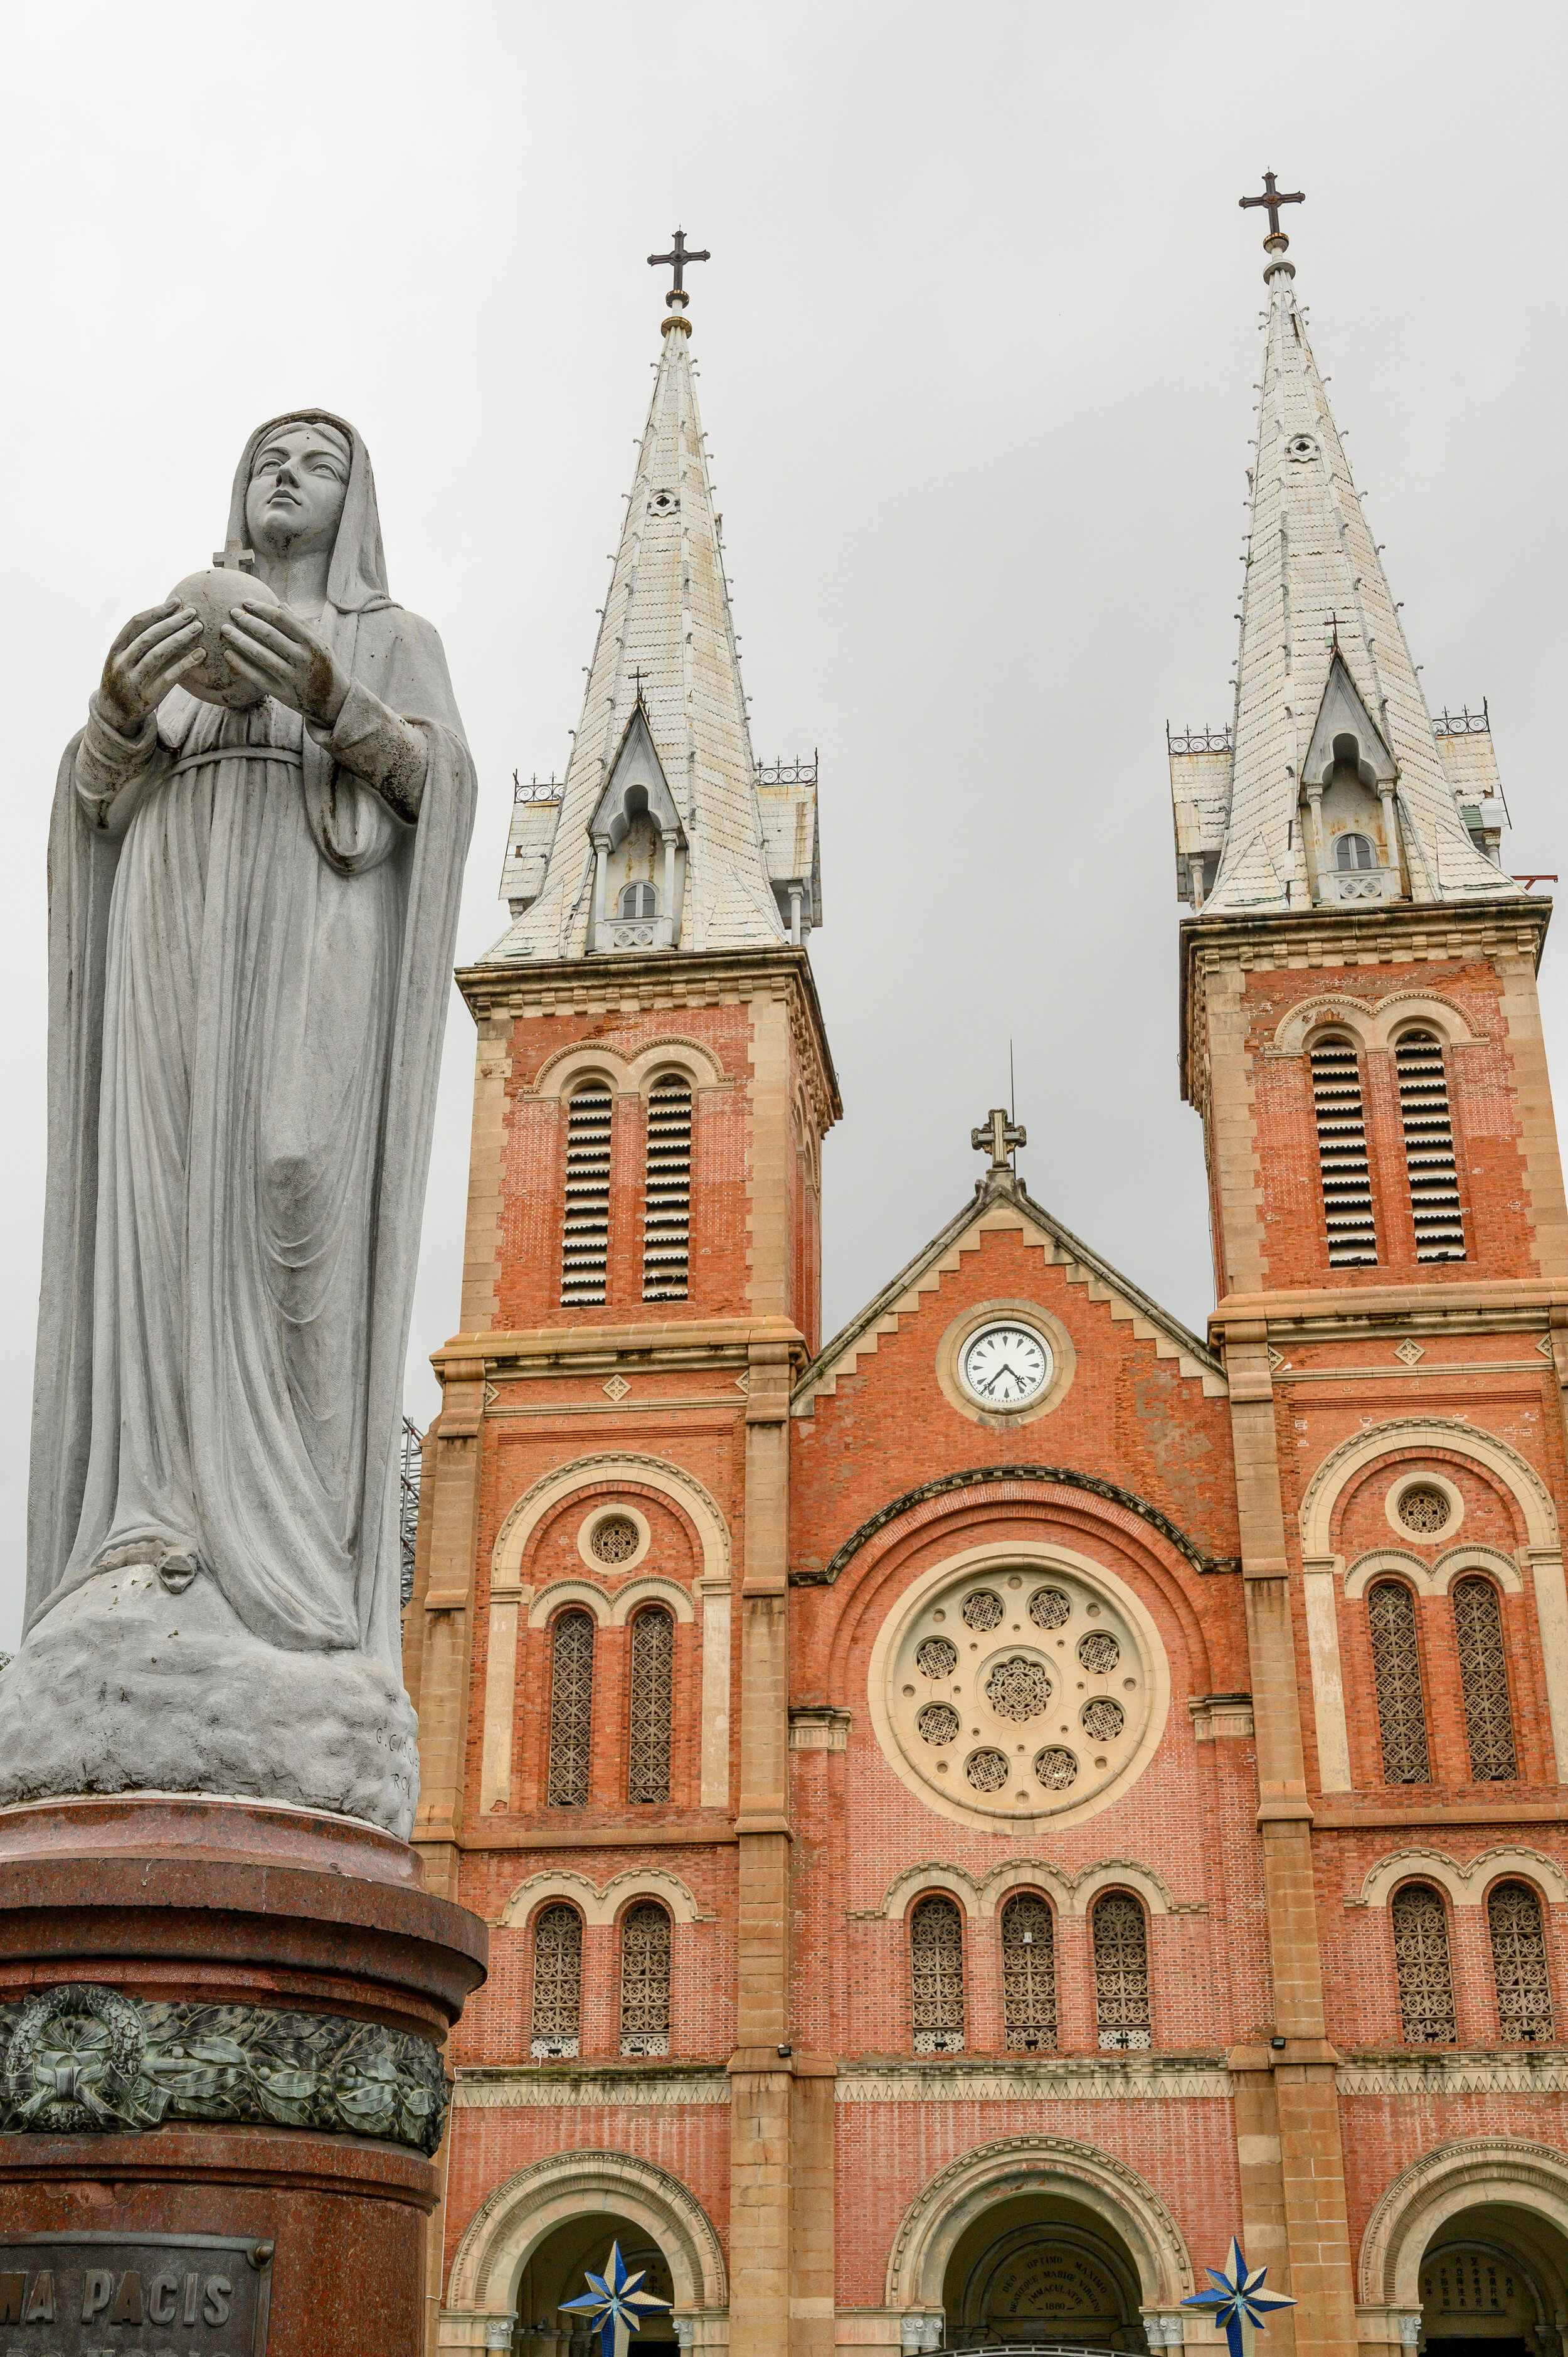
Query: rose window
999, 1696
1017, 1688
937, 1722
614, 1539
1423, 1509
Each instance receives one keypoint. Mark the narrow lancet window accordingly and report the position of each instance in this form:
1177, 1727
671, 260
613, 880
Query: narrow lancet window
557, 1983
1428, 1147
935, 1973
1121, 1973
1396, 1679
1342, 1155
1519, 1965
1029, 1974
1421, 1963
645, 1980
586, 1236
667, 1198
1484, 1681
652, 1675
571, 1709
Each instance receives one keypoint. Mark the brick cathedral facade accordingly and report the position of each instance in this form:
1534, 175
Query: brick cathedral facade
974, 1812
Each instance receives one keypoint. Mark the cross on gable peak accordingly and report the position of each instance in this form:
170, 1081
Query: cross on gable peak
999, 1136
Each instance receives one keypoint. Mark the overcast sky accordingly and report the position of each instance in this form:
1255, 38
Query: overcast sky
978, 346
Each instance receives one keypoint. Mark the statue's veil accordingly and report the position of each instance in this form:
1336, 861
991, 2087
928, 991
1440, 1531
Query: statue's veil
357, 580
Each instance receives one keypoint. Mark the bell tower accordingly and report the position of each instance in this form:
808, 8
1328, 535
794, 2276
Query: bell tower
1362, 1035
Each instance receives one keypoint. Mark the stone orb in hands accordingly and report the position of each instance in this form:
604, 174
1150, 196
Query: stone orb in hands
214, 596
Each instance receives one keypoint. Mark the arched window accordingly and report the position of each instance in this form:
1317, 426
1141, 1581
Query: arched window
557, 1983
1396, 1677
645, 1980
585, 1234
1121, 1972
1354, 850
667, 1191
571, 1709
1518, 1964
1421, 1961
936, 1974
652, 1671
639, 900
1484, 1681
1342, 1155
1428, 1147
1029, 1974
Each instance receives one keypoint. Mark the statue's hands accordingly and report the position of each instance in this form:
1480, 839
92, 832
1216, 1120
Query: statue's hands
277, 648
150, 654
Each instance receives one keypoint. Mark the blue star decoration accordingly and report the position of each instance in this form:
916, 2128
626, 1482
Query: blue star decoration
1238, 2301
614, 2301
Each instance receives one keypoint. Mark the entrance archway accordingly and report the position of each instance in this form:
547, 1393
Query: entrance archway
1041, 2268
557, 2269
1493, 2283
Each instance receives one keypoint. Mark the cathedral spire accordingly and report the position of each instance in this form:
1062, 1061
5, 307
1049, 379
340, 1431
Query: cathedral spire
657, 839
1336, 788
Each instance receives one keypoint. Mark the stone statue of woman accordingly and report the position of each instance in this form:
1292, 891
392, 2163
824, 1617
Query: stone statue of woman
252, 915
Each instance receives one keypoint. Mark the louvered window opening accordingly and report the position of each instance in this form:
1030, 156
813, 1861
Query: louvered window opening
667, 1199
1428, 1147
1396, 1679
644, 1982
571, 1709
1342, 1155
557, 1983
586, 1236
652, 1681
935, 1973
1030, 1976
1421, 1963
1519, 1965
1484, 1681
1121, 1974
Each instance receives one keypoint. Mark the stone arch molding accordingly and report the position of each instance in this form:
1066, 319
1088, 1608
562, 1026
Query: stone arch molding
598, 1906
671, 1481
1070, 1894
1437, 2188
1111, 2191
1408, 1434
609, 1611
630, 1075
1466, 1885
505, 2231
1372, 1023
1433, 1578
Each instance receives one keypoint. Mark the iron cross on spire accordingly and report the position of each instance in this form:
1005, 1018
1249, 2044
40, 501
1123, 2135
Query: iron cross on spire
1274, 199
677, 258
999, 1137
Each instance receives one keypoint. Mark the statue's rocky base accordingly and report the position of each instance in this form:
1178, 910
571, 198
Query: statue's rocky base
220, 2085
125, 1687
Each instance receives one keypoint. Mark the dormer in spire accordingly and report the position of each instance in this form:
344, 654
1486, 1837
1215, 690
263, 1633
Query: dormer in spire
1333, 786
659, 841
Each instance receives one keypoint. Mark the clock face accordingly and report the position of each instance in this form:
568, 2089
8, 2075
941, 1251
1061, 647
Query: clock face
1005, 1365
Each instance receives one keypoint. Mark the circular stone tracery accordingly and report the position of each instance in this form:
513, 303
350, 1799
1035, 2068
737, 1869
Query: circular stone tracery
614, 1540
1057, 1649
1423, 1509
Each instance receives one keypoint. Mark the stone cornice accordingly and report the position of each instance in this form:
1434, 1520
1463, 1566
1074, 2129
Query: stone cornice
1517, 2073
513, 1353
562, 2086
1023, 2078
666, 978
1401, 931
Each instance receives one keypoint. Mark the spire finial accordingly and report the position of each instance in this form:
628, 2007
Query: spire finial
1273, 198
676, 260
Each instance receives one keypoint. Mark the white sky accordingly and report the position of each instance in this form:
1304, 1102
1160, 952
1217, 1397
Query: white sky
977, 348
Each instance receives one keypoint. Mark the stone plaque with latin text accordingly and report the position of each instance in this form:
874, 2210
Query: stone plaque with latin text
156, 2295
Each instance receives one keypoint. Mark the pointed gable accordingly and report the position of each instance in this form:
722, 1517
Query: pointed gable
1347, 732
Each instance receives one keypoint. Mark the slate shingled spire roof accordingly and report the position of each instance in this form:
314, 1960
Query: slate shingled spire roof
667, 618
1316, 586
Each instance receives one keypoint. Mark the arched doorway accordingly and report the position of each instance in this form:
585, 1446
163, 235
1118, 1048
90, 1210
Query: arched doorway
556, 2270
1040, 2267
1493, 2282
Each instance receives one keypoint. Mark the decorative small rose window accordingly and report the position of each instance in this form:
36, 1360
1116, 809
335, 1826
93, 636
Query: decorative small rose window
1425, 1509
614, 1540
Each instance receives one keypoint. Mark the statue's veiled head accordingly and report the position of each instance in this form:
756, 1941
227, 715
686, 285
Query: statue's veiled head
299, 480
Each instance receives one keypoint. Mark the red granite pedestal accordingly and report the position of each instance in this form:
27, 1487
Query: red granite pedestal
337, 1977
